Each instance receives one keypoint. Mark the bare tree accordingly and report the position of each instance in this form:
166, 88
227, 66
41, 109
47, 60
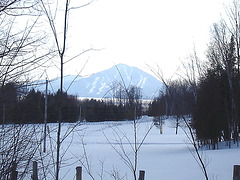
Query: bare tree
19, 44
133, 96
119, 138
60, 43
193, 69
19, 145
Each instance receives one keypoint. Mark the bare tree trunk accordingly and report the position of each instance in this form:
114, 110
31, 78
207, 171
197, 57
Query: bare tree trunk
61, 53
135, 146
45, 117
61, 91
177, 124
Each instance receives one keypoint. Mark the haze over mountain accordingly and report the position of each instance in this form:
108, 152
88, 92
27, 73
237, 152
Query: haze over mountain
99, 85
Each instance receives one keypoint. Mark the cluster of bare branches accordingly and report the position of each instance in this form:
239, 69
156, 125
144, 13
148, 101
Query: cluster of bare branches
120, 141
19, 44
22, 42
19, 145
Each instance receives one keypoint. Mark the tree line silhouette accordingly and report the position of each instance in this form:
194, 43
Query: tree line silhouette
19, 105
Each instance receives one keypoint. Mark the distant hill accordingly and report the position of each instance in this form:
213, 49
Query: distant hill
99, 85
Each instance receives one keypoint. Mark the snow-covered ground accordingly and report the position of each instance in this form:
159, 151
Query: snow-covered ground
164, 156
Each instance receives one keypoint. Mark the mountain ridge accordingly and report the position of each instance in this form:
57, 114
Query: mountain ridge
99, 85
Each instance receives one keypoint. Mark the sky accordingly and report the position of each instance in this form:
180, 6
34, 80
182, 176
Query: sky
139, 33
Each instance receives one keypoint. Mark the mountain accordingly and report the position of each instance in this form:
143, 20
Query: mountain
99, 85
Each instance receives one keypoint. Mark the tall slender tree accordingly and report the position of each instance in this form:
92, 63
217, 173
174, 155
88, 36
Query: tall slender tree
60, 43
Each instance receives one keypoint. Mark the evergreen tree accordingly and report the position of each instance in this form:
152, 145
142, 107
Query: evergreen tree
209, 118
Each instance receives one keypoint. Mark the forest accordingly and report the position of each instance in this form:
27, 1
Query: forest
22, 106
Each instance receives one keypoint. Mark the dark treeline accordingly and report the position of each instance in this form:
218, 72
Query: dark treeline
99, 110
177, 100
17, 105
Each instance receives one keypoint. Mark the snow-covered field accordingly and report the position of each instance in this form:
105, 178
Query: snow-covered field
164, 156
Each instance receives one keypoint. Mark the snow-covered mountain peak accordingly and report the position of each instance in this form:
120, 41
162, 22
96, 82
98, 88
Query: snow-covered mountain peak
99, 85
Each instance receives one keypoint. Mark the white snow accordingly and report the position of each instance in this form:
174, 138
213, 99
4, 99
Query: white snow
94, 84
164, 156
